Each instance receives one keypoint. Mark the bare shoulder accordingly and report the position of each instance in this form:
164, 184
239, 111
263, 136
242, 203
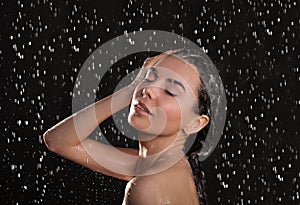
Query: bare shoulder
172, 186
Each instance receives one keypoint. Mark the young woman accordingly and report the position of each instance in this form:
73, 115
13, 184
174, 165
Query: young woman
168, 103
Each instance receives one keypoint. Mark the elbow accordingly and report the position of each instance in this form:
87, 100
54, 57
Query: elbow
48, 140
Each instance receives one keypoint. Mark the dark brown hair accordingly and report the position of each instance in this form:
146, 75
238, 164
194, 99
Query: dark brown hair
199, 60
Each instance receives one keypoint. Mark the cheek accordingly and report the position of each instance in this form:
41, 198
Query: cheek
173, 111
184, 111
180, 109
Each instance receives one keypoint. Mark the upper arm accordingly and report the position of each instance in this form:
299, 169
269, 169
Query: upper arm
106, 159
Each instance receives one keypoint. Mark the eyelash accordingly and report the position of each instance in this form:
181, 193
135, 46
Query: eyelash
166, 91
169, 93
148, 80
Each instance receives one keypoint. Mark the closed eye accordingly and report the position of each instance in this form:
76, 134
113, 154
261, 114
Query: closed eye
169, 93
148, 80
151, 75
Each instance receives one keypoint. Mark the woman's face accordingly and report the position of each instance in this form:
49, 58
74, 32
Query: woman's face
164, 101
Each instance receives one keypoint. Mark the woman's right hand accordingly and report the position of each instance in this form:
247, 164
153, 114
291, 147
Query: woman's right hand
69, 138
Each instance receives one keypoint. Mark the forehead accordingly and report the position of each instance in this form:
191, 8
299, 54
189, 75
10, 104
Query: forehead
180, 69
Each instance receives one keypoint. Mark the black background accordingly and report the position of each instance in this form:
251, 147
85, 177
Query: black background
255, 46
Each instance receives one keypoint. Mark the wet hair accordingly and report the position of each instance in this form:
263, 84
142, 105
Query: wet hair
199, 60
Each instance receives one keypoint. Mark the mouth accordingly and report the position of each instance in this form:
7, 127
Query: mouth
141, 108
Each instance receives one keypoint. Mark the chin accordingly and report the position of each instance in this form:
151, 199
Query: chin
155, 127
138, 123
150, 132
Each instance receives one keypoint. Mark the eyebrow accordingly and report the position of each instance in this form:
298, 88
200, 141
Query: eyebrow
170, 80
176, 83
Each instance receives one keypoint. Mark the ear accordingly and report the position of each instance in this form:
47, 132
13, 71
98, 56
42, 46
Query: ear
197, 124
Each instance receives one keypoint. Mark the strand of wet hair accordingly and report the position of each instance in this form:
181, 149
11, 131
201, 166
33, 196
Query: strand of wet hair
199, 179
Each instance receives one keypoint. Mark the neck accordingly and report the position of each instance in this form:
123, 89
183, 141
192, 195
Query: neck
159, 153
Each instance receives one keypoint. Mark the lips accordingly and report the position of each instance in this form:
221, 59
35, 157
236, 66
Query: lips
141, 107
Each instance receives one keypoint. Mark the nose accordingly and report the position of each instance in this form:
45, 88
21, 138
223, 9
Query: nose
150, 91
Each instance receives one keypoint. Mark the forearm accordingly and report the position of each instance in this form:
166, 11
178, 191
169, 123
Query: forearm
77, 127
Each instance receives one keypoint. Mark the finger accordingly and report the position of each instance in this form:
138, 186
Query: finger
147, 62
151, 61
